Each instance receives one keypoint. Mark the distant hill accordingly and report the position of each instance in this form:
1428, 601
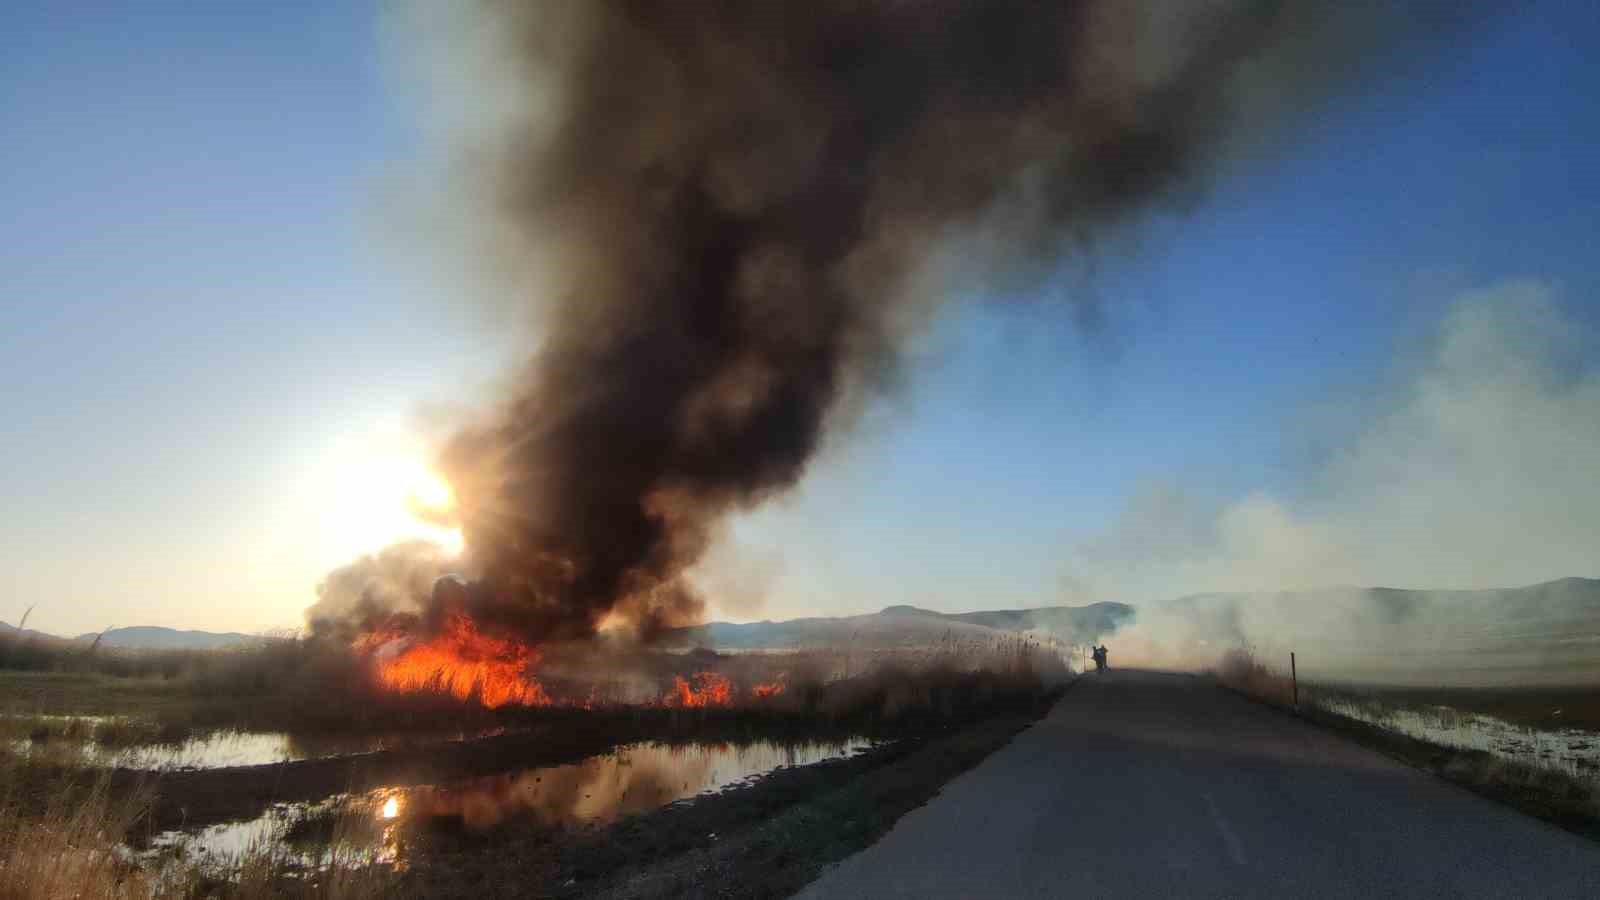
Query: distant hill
1544, 633
11, 631
153, 637
1073, 624
905, 626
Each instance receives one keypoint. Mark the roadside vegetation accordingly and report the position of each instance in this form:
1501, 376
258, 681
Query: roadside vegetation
1465, 744
77, 846
310, 685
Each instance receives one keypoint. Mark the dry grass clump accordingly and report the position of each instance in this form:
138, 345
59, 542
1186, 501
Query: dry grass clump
1241, 670
953, 680
64, 833
71, 848
1555, 793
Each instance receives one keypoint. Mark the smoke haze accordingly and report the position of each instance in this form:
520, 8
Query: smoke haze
396, 579
720, 220
1478, 473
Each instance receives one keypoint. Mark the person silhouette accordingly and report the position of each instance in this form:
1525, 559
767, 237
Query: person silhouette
1100, 659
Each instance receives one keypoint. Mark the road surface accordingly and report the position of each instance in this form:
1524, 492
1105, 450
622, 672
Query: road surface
1141, 784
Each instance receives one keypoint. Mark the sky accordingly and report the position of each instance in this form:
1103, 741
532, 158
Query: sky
222, 329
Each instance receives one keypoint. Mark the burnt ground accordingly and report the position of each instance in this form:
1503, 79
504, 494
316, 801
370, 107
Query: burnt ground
767, 839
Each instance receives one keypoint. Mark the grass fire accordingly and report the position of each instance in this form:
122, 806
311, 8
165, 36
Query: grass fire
643, 449
394, 743
462, 661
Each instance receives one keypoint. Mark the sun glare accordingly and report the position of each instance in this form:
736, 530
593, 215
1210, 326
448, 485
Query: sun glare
450, 539
432, 491
382, 500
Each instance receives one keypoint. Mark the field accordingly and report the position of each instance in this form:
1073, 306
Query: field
286, 768
1536, 748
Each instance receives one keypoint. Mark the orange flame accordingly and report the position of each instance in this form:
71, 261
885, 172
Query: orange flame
467, 663
770, 689
705, 689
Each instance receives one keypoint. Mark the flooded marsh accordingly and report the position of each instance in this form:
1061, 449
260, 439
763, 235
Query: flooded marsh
372, 825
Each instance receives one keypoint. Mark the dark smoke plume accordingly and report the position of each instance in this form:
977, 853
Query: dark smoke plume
733, 201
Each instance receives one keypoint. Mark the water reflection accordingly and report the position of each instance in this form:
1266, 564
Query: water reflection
310, 835
1573, 751
632, 779
222, 749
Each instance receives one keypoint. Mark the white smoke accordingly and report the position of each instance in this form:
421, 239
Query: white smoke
1481, 473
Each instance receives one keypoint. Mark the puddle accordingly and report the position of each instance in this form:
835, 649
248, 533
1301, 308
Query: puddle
221, 749
634, 778
341, 829
1573, 751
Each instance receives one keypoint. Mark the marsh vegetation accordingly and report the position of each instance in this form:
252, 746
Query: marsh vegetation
284, 767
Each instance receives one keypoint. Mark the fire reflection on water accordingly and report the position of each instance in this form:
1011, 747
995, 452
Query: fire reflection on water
634, 778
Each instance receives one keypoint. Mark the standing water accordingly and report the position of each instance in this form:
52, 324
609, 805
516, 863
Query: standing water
218, 749
632, 779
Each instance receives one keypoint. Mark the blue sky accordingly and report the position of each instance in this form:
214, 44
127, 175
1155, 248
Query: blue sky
209, 328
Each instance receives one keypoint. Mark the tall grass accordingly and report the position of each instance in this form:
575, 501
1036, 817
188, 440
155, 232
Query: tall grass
71, 849
75, 845
1240, 669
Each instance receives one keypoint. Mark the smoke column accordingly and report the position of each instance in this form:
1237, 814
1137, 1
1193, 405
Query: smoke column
730, 206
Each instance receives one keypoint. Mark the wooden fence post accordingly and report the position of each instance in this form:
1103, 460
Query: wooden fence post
1294, 677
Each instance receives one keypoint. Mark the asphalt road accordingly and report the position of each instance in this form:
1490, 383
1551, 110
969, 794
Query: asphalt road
1141, 784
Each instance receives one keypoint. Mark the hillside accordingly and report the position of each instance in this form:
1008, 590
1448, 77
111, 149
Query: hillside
7, 630
154, 637
903, 626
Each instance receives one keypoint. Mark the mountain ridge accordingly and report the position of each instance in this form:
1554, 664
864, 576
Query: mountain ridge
903, 624
159, 637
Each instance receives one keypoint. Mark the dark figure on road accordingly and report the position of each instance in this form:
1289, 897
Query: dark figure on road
1100, 660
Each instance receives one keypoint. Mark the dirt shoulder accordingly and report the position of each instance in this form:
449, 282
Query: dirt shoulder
767, 839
